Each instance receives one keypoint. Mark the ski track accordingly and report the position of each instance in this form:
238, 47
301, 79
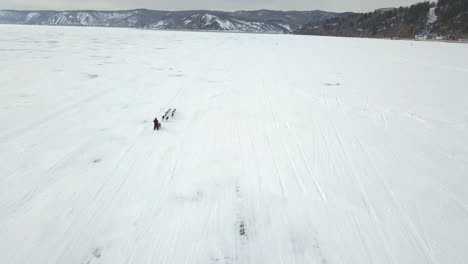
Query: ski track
309, 170
277, 153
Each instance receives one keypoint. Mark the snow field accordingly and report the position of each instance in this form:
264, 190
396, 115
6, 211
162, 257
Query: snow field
283, 149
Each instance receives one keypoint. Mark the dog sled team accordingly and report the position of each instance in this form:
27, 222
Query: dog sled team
169, 113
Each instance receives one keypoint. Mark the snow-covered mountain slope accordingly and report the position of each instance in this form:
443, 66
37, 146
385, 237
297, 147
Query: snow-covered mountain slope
283, 149
243, 21
431, 15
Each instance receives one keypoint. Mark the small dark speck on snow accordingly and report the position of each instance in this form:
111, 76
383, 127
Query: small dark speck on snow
242, 230
97, 252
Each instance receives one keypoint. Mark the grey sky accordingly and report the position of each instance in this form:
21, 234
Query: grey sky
228, 5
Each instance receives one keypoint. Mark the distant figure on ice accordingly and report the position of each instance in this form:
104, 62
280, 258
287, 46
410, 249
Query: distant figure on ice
173, 112
157, 125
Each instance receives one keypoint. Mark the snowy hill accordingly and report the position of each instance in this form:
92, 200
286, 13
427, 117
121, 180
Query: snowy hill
431, 15
283, 149
243, 21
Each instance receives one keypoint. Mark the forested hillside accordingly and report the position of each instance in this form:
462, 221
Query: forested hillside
444, 17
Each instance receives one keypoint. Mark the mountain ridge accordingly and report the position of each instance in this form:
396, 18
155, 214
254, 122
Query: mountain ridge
262, 20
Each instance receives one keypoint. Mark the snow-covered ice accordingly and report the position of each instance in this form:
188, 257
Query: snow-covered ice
283, 149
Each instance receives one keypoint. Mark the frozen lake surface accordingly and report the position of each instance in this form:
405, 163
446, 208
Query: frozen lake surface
283, 149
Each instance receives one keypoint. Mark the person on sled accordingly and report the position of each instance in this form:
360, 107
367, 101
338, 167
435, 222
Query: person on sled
157, 125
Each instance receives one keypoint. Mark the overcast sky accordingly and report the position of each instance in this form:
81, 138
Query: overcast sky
228, 5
